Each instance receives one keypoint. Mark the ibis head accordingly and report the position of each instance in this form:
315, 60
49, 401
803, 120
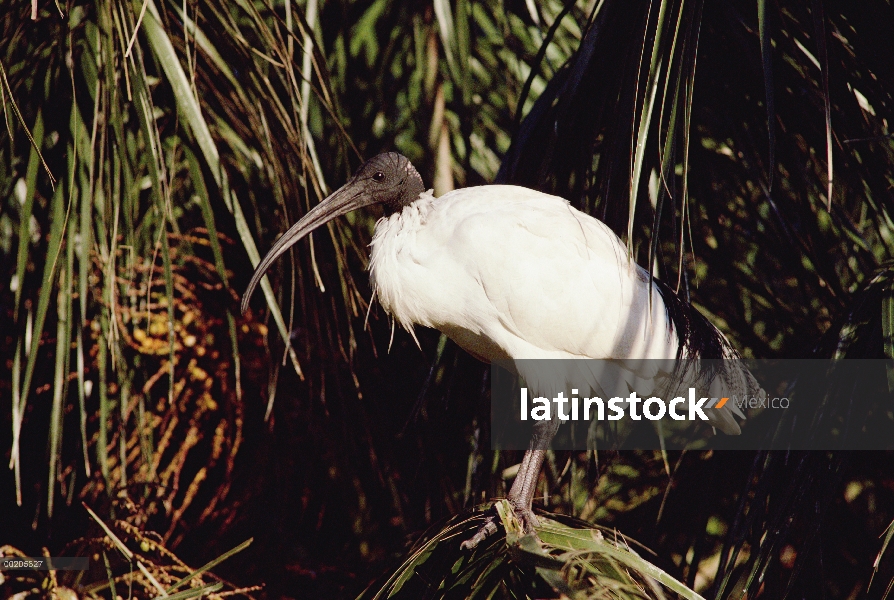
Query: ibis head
388, 179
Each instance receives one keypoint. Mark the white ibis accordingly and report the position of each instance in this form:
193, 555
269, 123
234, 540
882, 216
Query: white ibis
510, 273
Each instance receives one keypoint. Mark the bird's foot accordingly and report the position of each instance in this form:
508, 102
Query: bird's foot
489, 528
523, 513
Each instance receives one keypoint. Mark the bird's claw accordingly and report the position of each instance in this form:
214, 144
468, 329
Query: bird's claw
489, 528
526, 518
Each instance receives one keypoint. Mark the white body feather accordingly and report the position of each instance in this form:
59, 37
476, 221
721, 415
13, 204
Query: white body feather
508, 272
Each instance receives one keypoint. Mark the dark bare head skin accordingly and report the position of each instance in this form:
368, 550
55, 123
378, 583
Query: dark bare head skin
391, 179
388, 179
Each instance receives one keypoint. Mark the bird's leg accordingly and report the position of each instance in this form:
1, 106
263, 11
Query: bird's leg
521, 494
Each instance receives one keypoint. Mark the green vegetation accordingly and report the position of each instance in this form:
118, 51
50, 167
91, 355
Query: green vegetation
153, 149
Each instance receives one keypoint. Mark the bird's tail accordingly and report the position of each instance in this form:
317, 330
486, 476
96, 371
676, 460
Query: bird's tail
703, 352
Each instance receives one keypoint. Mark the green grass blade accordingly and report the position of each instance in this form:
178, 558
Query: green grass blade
191, 114
819, 19
109, 575
767, 63
645, 118
60, 378
18, 417
25, 215
193, 593
57, 228
82, 397
211, 564
447, 32
888, 334
105, 403
198, 182
4, 90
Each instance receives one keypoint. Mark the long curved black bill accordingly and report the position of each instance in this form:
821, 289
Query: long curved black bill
350, 196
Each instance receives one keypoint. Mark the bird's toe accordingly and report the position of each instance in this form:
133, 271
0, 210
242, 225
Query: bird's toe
489, 528
525, 515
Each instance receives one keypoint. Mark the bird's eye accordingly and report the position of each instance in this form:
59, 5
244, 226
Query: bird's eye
379, 176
